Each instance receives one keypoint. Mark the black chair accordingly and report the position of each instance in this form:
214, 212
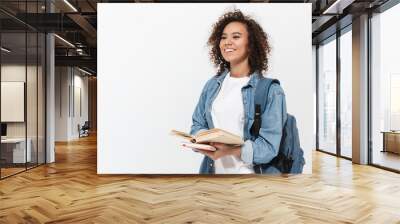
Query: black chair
84, 130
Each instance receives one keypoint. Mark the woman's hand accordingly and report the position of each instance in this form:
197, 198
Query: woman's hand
222, 150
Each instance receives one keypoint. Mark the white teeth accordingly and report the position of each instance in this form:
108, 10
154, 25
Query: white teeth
229, 50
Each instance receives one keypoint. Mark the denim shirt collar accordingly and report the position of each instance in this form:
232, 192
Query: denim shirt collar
254, 77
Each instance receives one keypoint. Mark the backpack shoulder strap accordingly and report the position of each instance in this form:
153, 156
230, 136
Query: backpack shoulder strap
260, 102
261, 96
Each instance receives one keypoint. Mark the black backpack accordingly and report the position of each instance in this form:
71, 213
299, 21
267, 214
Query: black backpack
290, 158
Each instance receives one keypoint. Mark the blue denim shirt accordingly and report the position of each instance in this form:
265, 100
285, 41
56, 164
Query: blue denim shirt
255, 151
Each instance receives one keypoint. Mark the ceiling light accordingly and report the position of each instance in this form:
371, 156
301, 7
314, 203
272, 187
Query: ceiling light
5, 50
84, 71
70, 5
64, 40
338, 6
79, 51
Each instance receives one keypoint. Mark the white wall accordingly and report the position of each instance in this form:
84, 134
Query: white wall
18, 73
68, 81
80, 84
150, 76
61, 103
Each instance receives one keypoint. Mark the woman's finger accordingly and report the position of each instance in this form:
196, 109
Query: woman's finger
218, 145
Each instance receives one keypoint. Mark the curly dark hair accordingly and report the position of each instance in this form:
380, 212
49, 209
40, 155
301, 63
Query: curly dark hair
259, 47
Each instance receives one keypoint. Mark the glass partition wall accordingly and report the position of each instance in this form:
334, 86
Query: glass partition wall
22, 88
334, 63
385, 89
13, 90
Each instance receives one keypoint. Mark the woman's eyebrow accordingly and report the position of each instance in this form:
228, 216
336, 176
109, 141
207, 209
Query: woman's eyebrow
232, 33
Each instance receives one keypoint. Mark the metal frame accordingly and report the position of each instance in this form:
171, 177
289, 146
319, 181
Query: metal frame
317, 96
26, 89
45, 90
338, 82
44, 72
341, 31
389, 4
369, 90
37, 91
0, 93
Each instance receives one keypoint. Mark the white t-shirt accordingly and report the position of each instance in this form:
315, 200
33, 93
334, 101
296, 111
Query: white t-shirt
228, 114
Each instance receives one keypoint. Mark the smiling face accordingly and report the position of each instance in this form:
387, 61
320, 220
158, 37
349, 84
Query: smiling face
234, 43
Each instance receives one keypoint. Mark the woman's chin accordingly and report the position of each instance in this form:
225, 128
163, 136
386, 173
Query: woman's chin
234, 62
230, 60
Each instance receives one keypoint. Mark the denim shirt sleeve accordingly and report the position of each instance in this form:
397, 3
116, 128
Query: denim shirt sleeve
199, 121
266, 146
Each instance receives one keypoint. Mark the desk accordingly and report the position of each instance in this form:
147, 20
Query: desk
15, 148
391, 141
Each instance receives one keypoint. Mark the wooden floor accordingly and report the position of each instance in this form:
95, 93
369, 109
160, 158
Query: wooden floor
387, 159
70, 191
9, 171
5, 172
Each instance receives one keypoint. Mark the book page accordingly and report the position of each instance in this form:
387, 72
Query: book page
220, 136
182, 135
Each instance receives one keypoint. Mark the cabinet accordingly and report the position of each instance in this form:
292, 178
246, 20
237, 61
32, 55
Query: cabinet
13, 150
391, 141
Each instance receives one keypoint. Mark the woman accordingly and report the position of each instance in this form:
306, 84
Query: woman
239, 49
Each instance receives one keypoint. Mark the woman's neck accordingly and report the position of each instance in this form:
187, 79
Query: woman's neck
240, 69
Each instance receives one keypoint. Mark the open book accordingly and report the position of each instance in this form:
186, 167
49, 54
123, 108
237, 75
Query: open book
212, 135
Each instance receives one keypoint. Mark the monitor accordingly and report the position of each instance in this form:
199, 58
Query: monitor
3, 129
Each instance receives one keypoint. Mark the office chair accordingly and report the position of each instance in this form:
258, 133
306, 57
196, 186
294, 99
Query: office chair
84, 130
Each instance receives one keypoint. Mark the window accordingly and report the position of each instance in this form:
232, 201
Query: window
346, 93
385, 89
327, 96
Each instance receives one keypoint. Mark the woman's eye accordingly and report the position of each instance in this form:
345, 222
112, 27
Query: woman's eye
236, 37
223, 38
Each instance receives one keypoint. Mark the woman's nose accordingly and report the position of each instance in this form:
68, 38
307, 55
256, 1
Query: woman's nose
228, 42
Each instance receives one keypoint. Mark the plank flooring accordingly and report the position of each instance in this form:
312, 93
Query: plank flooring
387, 159
70, 191
10, 171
